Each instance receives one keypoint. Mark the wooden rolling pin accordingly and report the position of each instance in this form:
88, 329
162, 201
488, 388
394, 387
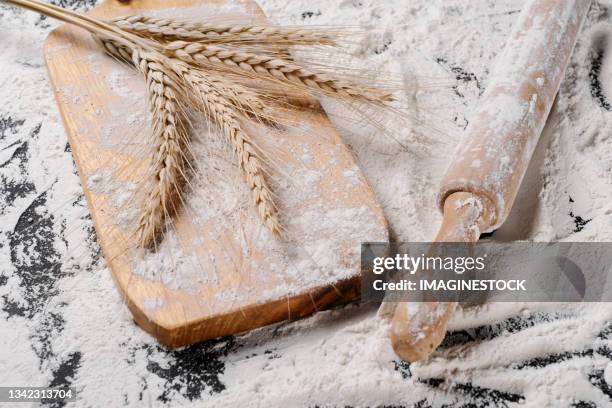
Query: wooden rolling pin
483, 179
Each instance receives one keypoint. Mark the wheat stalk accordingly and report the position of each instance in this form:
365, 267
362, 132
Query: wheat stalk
271, 67
168, 29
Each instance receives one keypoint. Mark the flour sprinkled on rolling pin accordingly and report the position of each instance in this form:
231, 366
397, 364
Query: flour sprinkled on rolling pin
482, 182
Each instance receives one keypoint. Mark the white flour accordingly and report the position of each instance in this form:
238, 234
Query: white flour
446, 49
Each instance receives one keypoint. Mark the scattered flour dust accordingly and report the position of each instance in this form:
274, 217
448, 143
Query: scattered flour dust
445, 50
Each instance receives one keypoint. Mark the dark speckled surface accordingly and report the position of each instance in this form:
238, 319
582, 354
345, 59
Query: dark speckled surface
40, 264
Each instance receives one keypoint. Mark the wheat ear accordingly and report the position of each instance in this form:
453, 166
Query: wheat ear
169, 137
168, 29
244, 99
269, 67
210, 99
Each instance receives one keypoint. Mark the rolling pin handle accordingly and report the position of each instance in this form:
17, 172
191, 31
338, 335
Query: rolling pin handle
466, 215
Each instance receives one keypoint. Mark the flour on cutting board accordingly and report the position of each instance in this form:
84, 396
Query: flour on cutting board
446, 50
322, 232
321, 235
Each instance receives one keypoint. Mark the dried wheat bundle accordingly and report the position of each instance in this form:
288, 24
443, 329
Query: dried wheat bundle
216, 70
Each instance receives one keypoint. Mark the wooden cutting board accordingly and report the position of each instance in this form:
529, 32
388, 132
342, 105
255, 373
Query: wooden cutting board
218, 271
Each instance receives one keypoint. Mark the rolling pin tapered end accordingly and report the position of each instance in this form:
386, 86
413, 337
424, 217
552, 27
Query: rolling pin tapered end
418, 329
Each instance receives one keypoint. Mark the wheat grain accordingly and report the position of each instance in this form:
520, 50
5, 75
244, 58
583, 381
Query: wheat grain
168, 29
271, 67
118, 51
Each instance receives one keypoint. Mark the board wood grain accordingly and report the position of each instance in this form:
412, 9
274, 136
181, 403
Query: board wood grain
95, 114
